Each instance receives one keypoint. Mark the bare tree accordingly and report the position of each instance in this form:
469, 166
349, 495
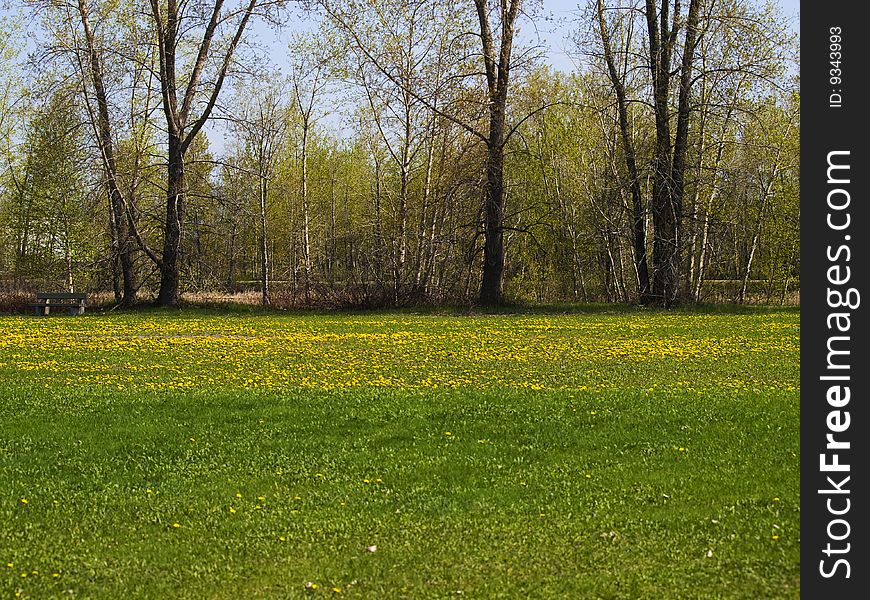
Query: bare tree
497, 64
638, 220
172, 22
669, 163
92, 63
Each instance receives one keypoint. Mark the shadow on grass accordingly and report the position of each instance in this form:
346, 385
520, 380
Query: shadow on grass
243, 309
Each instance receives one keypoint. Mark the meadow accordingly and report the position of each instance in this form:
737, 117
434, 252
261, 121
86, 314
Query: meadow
599, 454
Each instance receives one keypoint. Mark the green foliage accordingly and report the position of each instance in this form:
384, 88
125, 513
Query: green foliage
49, 209
392, 212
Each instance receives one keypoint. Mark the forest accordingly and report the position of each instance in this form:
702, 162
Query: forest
399, 152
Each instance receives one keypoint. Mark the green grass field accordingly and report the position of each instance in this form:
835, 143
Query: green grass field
201, 455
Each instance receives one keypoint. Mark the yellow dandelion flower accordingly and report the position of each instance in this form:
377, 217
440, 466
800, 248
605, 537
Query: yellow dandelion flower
774, 537
24, 501
232, 510
176, 525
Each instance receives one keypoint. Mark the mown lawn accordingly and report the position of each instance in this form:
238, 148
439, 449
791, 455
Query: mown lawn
201, 455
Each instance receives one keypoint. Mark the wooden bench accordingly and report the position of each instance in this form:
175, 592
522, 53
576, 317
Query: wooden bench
74, 302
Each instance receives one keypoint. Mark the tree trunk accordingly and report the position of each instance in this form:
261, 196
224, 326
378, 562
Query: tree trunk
231, 267
424, 210
702, 250
122, 244
332, 245
306, 236
681, 147
264, 245
114, 259
669, 161
493, 249
402, 218
379, 229
67, 255
638, 217
175, 186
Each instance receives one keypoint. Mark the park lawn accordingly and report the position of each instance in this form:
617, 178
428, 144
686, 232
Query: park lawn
191, 454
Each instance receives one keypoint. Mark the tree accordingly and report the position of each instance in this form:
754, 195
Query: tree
13, 110
495, 24
89, 59
263, 125
172, 23
52, 210
638, 216
309, 78
669, 162
685, 73
663, 171
11, 92
496, 52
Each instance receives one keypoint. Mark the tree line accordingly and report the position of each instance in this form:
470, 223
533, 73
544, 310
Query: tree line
400, 151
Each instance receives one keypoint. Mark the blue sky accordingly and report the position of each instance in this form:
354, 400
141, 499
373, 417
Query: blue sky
563, 10
555, 40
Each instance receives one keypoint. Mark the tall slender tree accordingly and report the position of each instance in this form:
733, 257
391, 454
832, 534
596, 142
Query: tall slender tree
91, 64
638, 215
